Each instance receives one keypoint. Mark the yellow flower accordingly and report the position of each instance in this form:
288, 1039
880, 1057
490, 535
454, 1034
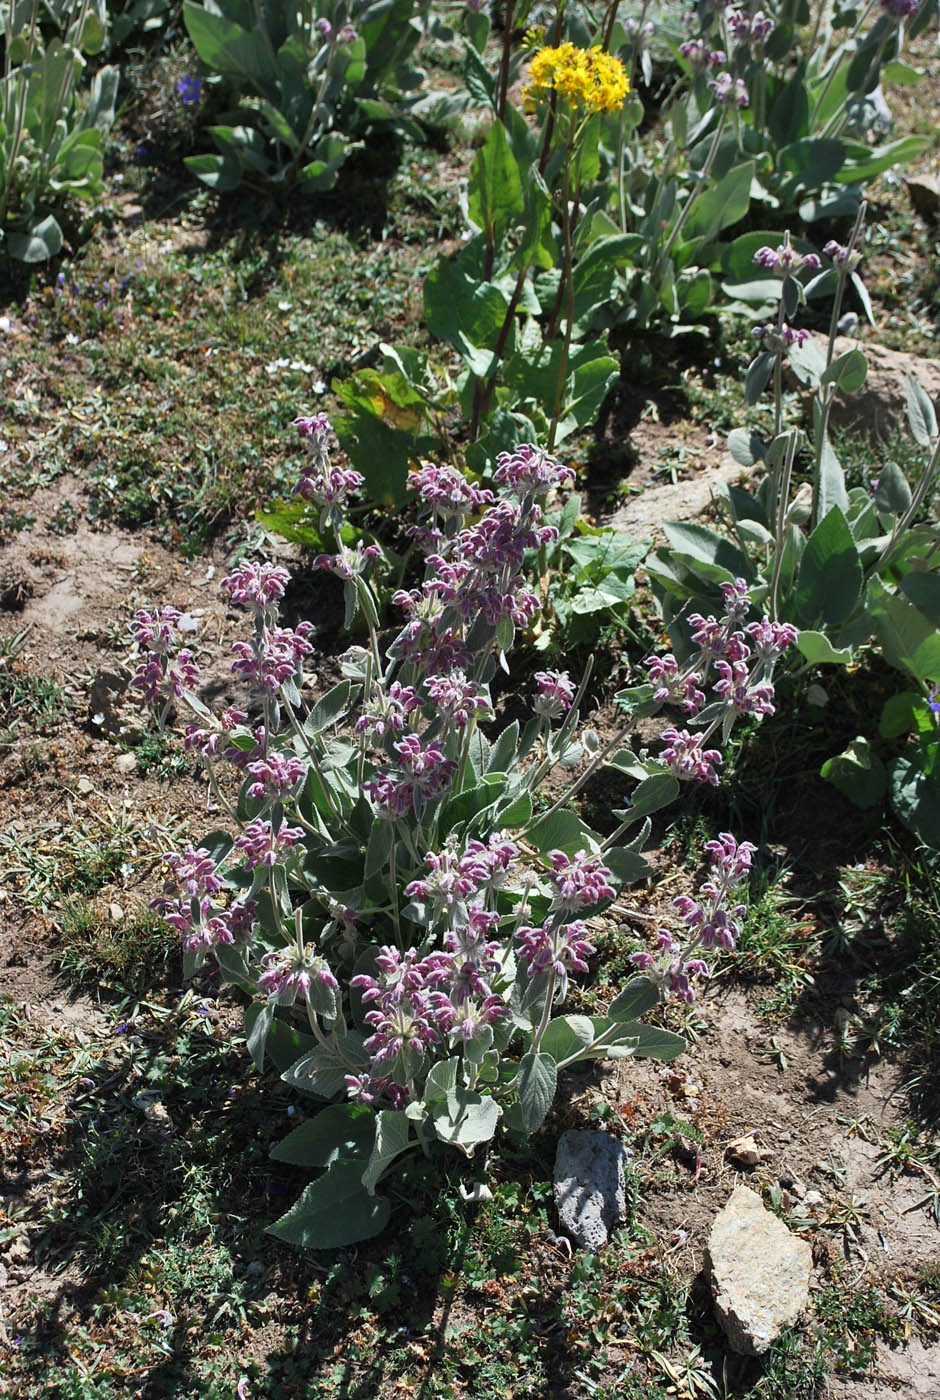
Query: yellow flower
589, 78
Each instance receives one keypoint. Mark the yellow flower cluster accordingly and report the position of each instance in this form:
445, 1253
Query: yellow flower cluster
588, 77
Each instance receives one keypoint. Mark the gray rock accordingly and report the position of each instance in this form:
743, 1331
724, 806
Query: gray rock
645, 514
590, 1194
759, 1273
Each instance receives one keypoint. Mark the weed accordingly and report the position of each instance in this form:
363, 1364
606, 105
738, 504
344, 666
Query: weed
850, 1321
27, 700
101, 944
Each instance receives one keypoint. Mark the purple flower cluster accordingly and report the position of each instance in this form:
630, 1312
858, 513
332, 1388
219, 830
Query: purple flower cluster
276, 775
785, 259
742, 659
901, 9
730, 92
256, 586
272, 657
453, 881
162, 672
444, 997
528, 469
841, 256
700, 56
457, 699
771, 338
554, 695
709, 923
263, 845
294, 972
422, 774
187, 903
388, 710
750, 29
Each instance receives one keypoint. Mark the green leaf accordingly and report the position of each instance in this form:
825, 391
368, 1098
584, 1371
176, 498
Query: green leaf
566, 1036
858, 773
465, 1119
892, 494
829, 583
562, 831
721, 205
342, 1132
495, 199
746, 447
467, 313
910, 640
381, 840
286, 1044
701, 543
644, 1042
816, 648
328, 710
626, 865
788, 118
758, 375
812, 162
464, 805
831, 490
227, 48
535, 1087
923, 590
638, 996
42, 241
862, 163
905, 712
915, 797
333, 1211
652, 794
258, 1019
323, 1071
392, 1138
921, 417
847, 371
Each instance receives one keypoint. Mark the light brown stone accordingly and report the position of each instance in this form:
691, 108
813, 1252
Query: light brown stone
759, 1273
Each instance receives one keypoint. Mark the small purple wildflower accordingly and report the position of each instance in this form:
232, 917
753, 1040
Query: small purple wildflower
189, 89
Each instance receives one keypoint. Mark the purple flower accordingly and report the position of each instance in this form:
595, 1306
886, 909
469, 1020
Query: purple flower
456, 699
901, 9
579, 882
295, 972
256, 585
528, 469
555, 694
323, 27
272, 657
388, 710
687, 759
348, 35
189, 89
841, 256
730, 92
556, 948
276, 775
263, 845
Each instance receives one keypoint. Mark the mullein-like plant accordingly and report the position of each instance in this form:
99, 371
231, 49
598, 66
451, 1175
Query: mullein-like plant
404, 919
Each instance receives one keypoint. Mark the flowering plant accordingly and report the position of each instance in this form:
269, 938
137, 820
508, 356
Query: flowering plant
308, 78
405, 920
836, 570
51, 131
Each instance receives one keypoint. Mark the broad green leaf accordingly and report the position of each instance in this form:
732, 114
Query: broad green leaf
921, 416
464, 805
333, 1211
329, 709
746, 447
816, 648
535, 1086
923, 590
831, 490
639, 996
625, 865
467, 314
812, 162
392, 1138
829, 583
342, 1132
645, 1042
905, 712
892, 494
566, 1036
721, 205
862, 164
227, 48
258, 1019
858, 773
915, 797
465, 1119
847, 371
699, 542
562, 831
381, 840
758, 375
42, 242
788, 118
495, 200
910, 640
